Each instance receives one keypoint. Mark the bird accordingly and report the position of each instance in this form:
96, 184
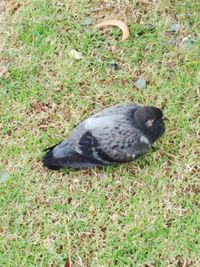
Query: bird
117, 134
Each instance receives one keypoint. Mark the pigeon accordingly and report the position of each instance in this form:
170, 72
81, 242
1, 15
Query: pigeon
117, 134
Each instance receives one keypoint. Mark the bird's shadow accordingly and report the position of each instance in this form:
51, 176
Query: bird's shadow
107, 169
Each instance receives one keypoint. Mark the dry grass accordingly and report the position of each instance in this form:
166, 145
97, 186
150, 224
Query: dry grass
141, 214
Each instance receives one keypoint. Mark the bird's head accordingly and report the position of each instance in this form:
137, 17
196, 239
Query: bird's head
150, 120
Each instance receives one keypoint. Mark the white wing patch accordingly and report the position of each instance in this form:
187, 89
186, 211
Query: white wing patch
97, 122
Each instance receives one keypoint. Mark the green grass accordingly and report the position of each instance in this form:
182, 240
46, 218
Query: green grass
141, 214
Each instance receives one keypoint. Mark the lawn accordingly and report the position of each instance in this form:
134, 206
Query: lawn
142, 214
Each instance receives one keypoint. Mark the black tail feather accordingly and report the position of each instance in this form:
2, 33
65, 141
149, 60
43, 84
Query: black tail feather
51, 147
49, 161
74, 160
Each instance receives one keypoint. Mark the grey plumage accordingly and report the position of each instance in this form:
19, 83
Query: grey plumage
116, 134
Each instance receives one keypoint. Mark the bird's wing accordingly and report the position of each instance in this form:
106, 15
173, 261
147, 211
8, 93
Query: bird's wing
106, 136
100, 119
117, 109
110, 138
113, 144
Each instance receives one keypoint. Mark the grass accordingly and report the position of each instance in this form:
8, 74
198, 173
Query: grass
142, 214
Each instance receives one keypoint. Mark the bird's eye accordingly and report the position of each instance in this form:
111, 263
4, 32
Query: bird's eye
149, 123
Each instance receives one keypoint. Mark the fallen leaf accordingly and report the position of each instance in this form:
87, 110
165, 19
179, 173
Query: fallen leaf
39, 106
118, 23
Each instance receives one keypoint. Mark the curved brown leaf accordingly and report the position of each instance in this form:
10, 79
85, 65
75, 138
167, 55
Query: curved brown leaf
118, 23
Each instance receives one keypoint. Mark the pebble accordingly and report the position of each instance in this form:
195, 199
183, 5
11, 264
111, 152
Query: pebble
4, 177
113, 66
175, 27
87, 21
75, 54
171, 74
87, 30
188, 41
140, 83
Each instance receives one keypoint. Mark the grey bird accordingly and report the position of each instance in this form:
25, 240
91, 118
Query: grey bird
117, 134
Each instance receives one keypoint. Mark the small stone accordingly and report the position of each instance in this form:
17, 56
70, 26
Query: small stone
87, 21
4, 177
140, 83
171, 73
188, 41
75, 54
175, 27
87, 29
4, 74
113, 66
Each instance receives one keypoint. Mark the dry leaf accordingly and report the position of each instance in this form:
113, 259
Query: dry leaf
118, 23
